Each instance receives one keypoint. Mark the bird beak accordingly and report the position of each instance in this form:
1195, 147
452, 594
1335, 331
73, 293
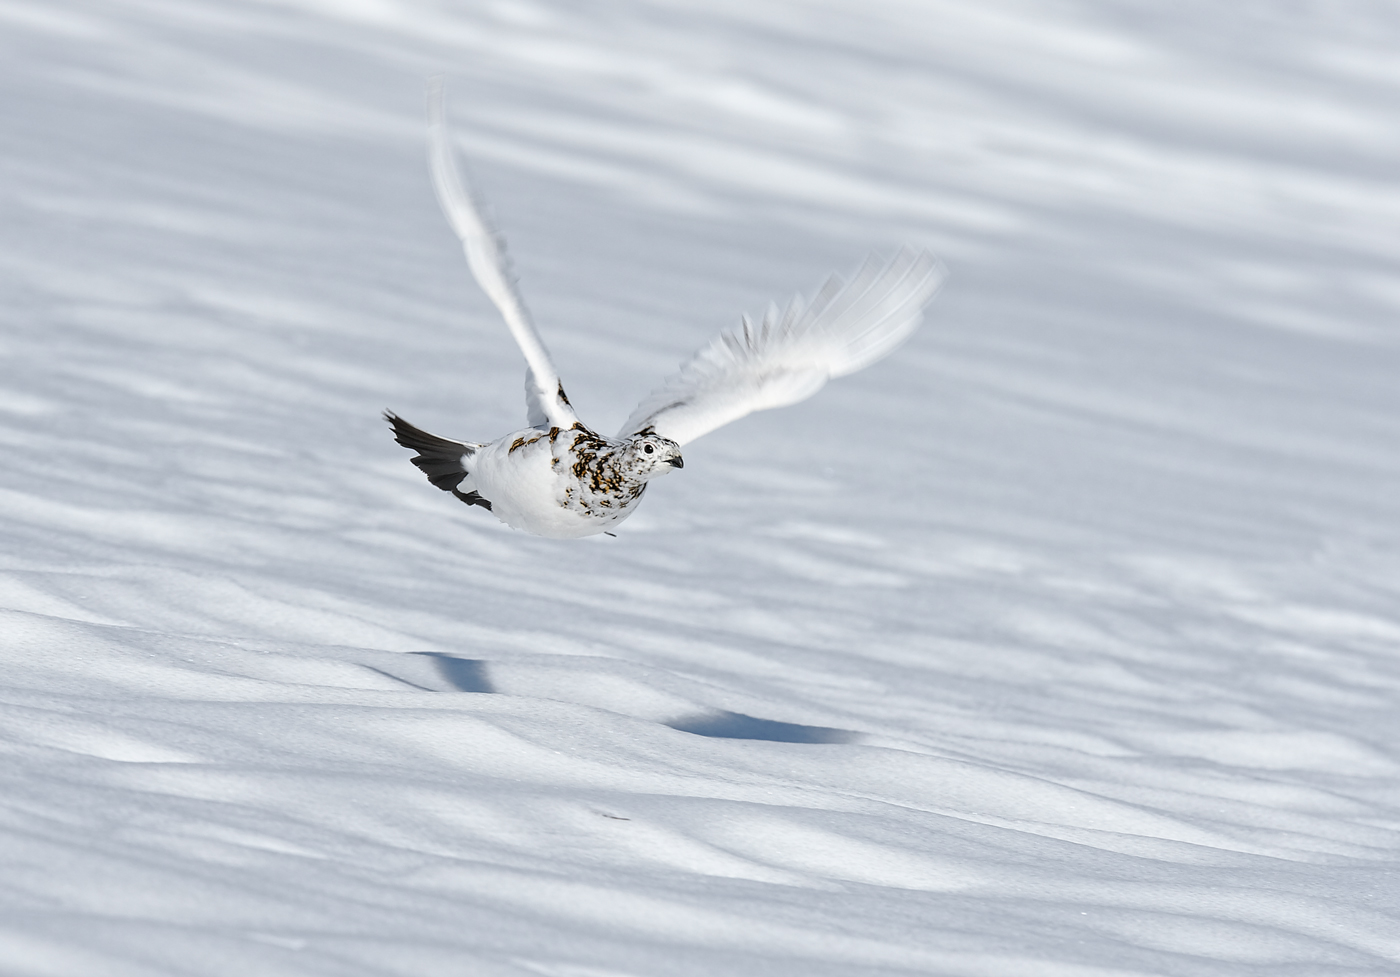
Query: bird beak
675, 462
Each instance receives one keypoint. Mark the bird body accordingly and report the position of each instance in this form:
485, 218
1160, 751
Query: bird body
563, 484
557, 477
567, 483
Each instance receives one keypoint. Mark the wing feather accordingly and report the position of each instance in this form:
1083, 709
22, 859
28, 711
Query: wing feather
546, 404
791, 354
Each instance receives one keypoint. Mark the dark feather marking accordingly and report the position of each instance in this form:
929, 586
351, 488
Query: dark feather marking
473, 498
522, 442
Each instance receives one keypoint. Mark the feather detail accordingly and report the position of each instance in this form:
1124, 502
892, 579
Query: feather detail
490, 266
791, 354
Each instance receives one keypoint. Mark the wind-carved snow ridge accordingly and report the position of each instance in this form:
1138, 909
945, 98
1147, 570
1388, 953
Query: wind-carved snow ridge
1064, 642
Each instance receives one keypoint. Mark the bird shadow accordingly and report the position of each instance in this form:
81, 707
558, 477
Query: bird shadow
463, 674
737, 726
471, 675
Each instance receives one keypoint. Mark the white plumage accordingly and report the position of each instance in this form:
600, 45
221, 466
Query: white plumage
557, 477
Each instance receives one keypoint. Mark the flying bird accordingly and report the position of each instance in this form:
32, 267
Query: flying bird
556, 476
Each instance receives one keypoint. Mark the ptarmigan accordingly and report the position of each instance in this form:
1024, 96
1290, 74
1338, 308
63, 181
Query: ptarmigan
556, 477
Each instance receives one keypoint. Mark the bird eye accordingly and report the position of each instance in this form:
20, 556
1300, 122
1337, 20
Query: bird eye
649, 449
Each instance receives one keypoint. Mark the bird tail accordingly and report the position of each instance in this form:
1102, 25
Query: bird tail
444, 461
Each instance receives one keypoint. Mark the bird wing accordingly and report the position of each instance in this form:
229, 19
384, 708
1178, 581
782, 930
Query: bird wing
790, 355
486, 256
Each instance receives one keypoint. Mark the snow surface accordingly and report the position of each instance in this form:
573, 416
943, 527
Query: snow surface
1064, 642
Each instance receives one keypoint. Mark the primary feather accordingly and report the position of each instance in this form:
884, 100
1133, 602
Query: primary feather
546, 404
790, 355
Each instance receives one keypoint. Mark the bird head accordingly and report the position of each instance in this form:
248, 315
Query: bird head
648, 455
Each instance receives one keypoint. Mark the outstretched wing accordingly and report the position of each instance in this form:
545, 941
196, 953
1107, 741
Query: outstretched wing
486, 256
791, 355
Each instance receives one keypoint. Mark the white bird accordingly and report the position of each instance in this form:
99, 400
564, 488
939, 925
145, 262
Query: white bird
556, 477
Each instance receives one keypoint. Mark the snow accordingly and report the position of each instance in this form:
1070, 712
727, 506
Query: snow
1066, 641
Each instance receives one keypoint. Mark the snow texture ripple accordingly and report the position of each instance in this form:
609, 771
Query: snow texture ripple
1073, 648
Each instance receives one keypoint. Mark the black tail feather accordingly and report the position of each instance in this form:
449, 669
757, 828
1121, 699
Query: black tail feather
440, 459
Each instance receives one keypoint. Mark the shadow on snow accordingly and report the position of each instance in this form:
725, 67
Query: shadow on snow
470, 675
